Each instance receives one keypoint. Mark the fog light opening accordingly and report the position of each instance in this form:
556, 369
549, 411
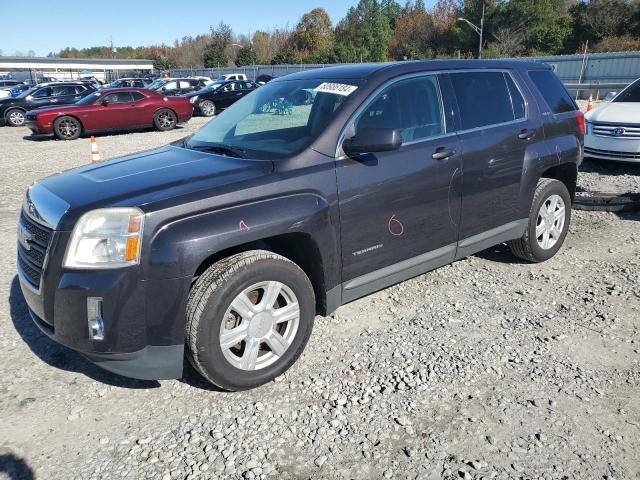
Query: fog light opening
94, 318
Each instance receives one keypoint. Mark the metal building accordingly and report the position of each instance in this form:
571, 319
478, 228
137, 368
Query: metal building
33, 69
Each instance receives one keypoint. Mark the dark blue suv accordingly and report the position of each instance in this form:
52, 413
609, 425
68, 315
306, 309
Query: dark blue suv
223, 247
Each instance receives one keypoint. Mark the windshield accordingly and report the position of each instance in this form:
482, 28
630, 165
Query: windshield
277, 120
118, 83
157, 84
89, 99
629, 94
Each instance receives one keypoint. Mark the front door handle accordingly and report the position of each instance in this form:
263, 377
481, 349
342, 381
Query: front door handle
443, 153
526, 134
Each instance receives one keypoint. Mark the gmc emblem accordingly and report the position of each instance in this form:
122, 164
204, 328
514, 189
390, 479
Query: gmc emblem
24, 237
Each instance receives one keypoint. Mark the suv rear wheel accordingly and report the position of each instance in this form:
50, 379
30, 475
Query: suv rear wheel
548, 222
249, 317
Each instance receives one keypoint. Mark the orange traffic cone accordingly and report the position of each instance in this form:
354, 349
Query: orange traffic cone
590, 104
95, 154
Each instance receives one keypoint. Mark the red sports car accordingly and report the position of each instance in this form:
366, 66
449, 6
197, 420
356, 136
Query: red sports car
109, 110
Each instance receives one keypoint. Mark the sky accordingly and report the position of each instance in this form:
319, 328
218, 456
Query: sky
52, 26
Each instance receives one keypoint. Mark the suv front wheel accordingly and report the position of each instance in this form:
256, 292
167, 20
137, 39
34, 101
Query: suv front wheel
249, 317
549, 220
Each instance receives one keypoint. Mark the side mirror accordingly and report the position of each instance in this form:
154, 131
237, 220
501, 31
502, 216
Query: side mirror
105, 103
370, 140
610, 96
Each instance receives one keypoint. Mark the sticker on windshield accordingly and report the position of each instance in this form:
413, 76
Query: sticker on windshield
337, 88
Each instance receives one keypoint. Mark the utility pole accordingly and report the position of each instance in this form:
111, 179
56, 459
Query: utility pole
478, 29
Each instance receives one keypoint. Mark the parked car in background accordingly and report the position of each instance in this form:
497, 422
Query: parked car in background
205, 80
264, 78
231, 76
129, 83
219, 95
176, 86
110, 110
226, 245
613, 129
18, 89
14, 109
6, 86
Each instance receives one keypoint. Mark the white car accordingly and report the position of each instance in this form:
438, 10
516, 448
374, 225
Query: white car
231, 76
613, 130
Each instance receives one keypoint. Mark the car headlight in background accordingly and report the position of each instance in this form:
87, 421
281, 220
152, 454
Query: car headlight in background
106, 238
193, 99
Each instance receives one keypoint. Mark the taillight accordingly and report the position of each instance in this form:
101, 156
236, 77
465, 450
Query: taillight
581, 123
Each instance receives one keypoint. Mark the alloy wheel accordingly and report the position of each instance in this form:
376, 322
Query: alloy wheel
16, 118
208, 108
165, 119
68, 128
259, 325
550, 222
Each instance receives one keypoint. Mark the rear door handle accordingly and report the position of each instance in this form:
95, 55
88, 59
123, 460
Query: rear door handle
526, 134
443, 153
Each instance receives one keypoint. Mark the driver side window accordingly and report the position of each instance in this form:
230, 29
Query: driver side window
42, 93
412, 106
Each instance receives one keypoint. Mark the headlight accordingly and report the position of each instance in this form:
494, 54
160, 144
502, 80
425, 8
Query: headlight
193, 99
106, 238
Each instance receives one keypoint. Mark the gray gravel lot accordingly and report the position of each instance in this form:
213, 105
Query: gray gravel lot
487, 368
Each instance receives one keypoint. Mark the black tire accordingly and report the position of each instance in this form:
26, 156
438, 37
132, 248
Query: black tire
67, 128
209, 305
15, 117
527, 247
165, 119
208, 108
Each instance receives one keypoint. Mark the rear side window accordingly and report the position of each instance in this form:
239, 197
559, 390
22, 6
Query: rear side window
483, 99
137, 96
412, 106
552, 91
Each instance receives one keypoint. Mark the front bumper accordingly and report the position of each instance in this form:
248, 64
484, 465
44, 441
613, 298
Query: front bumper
143, 319
612, 148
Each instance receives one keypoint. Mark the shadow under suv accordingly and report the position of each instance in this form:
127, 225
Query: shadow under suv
223, 247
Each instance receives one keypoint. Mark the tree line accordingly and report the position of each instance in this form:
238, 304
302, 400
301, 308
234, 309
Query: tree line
381, 30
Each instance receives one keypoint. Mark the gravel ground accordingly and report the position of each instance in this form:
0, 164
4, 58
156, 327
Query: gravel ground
487, 368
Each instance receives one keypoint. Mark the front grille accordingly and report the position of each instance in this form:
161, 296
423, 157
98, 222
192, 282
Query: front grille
612, 153
32, 250
617, 131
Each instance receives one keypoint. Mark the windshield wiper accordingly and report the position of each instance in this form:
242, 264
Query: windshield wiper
218, 148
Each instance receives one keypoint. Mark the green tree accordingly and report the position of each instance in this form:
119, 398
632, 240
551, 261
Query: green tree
413, 33
314, 33
215, 54
364, 33
246, 56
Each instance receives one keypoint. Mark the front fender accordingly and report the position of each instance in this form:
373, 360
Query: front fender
179, 247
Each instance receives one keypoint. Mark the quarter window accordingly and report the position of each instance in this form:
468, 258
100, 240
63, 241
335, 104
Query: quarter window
64, 91
552, 91
483, 99
137, 96
413, 106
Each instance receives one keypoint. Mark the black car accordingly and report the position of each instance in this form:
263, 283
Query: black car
228, 244
177, 86
13, 109
220, 95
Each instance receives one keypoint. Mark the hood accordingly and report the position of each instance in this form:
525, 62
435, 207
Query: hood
149, 178
615, 112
